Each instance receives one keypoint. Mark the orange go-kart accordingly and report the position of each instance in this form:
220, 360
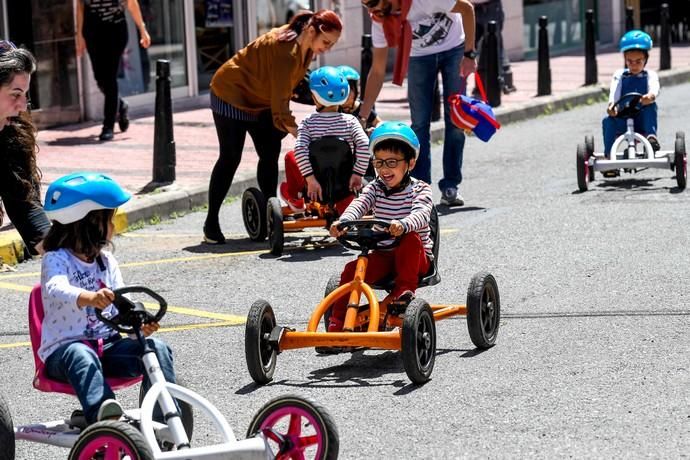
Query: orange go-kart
332, 161
375, 324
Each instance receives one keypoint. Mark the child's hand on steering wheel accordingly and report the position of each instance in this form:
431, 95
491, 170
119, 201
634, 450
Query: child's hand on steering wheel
396, 228
647, 99
355, 182
99, 299
335, 230
148, 329
611, 110
313, 188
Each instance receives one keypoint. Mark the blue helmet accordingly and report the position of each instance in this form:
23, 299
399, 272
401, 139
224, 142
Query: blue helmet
394, 130
329, 86
635, 40
70, 198
348, 72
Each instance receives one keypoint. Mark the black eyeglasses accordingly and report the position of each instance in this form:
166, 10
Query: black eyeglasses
6, 45
389, 162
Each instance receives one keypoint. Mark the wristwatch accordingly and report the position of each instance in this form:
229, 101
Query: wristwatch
472, 54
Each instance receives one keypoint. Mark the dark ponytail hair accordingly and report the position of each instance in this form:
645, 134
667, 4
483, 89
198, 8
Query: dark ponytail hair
322, 21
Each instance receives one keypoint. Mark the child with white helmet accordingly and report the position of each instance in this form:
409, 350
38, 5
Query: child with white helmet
635, 46
78, 276
330, 90
406, 203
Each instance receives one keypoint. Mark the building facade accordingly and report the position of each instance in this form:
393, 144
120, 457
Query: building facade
197, 36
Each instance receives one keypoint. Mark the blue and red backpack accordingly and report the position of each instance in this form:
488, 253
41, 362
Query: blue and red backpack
474, 115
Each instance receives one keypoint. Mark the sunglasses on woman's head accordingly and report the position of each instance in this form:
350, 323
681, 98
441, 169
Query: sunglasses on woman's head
6, 45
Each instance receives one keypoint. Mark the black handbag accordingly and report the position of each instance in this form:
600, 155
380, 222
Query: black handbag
302, 94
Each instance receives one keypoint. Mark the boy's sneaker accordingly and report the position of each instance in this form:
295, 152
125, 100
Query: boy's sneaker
451, 197
655, 142
109, 410
213, 235
122, 116
295, 204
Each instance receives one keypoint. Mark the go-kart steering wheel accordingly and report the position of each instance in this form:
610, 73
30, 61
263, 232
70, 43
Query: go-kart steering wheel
361, 236
629, 105
131, 315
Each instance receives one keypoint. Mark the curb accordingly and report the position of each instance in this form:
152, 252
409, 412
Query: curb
170, 199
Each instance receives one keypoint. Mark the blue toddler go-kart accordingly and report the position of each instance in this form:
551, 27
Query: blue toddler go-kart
631, 151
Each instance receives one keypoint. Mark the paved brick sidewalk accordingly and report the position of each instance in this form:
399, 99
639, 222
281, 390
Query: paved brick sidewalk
129, 158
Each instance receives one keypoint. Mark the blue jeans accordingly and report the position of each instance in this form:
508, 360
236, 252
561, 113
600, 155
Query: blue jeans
78, 364
645, 124
421, 78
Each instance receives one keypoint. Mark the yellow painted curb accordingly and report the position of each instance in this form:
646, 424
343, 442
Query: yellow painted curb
121, 222
11, 247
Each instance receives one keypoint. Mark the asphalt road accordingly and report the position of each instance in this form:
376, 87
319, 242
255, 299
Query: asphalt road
591, 359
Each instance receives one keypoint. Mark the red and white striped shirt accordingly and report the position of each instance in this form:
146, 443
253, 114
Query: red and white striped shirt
343, 125
411, 206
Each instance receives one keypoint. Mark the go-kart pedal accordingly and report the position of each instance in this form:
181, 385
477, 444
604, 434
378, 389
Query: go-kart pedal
612, 173
398, 306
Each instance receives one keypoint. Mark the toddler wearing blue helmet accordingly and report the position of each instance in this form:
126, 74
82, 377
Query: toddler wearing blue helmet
330, 90
353, 104
77, 277
634, 78
404, 201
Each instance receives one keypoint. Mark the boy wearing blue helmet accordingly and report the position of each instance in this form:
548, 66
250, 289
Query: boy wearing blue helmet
329, 89
353, 104
634, 78
404, 201
77, 277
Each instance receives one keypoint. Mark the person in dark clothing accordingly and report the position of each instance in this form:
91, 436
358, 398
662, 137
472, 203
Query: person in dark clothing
485, 11
102, 31
19, 175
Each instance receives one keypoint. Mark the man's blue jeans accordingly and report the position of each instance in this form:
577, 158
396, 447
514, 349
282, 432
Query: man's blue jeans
78, 364
421, 78
645, 124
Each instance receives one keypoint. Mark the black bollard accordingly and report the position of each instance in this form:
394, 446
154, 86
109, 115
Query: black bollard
436, 108
163, 141
590, 50
544, 64
365, 63
665, 39
492, 81
629, 18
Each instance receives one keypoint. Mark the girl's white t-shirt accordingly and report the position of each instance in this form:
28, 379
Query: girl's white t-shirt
63, 278
434, 28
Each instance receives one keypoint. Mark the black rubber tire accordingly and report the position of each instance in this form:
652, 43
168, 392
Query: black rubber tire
254, 214
316, 411
418, 341
274, 222
186, 411
331, 286
589, 146
124, 432
582, 168
483, 310
7, 447
260, 355
680, 161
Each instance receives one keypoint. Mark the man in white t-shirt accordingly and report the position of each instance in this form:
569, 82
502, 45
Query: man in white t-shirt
430, 36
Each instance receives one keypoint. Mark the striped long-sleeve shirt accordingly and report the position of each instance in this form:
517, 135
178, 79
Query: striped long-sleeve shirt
411, 206
343, 125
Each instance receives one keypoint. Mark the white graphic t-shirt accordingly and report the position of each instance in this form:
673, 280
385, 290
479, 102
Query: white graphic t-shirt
434, 28
63, 278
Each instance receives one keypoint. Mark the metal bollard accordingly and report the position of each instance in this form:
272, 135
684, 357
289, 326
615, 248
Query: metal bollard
543, 63
590, 50
492, 79
365, 63
629, 18
665, 39
163, 142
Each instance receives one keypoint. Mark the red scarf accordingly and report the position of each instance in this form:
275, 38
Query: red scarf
398, 34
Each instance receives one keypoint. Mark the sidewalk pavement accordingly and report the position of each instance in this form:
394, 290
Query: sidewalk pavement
129, 157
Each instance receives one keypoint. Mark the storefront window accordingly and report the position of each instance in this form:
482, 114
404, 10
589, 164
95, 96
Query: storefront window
165, 23
566, 23
214, 22
274, 13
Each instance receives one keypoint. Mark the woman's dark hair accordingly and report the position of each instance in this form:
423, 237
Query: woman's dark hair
18, 143
86, 236
14, 61
322, 21
396, 146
